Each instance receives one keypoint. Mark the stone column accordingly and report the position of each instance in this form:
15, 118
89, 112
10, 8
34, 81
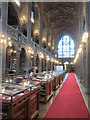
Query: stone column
29, 27
18, 60
80, 37
84, 64
3, 30
47, 35
54, 46
82, 31
40, 64
34, 60
51, 65
40, 26
77, 45
28, 63
46, 64
51, 40
51, 46
29, 24
40, 39
87, 28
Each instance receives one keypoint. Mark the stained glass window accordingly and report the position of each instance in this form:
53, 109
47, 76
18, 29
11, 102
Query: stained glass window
66, 47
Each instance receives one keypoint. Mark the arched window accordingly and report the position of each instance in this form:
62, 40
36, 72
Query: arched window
66, 47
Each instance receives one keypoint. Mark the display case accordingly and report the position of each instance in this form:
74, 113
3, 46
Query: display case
46, 90
14, 100
56, 82
33, 103
58, 78
17, 100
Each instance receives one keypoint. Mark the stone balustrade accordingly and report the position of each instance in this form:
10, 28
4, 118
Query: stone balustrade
15, 34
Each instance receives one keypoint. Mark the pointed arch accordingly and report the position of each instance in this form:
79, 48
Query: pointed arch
66, 47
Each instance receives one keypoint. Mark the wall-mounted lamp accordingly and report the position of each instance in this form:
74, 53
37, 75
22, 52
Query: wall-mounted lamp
23, 19
52, 60
36, 32
3, 40
85, 37
17, 2
31, 56
9, 38
32, 20
48, 58
43, 39
60, 63
32, 52
57, 62
66, 63
52, 48
3, 36
29, 51
14, 51
71, 63
11, 50
49, 44
79, 50
41, 55
10, 44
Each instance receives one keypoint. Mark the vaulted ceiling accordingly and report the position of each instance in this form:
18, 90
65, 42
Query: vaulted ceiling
62, 16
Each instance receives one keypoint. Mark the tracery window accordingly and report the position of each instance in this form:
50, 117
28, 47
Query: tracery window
66, 47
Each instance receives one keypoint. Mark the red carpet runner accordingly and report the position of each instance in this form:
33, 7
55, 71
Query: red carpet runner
69, 102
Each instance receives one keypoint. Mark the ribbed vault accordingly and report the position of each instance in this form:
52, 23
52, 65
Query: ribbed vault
62, 17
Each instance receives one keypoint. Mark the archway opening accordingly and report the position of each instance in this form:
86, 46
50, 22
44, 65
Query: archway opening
10, 59
22, 61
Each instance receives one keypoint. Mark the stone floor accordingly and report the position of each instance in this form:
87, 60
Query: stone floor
45, 106
85, 96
